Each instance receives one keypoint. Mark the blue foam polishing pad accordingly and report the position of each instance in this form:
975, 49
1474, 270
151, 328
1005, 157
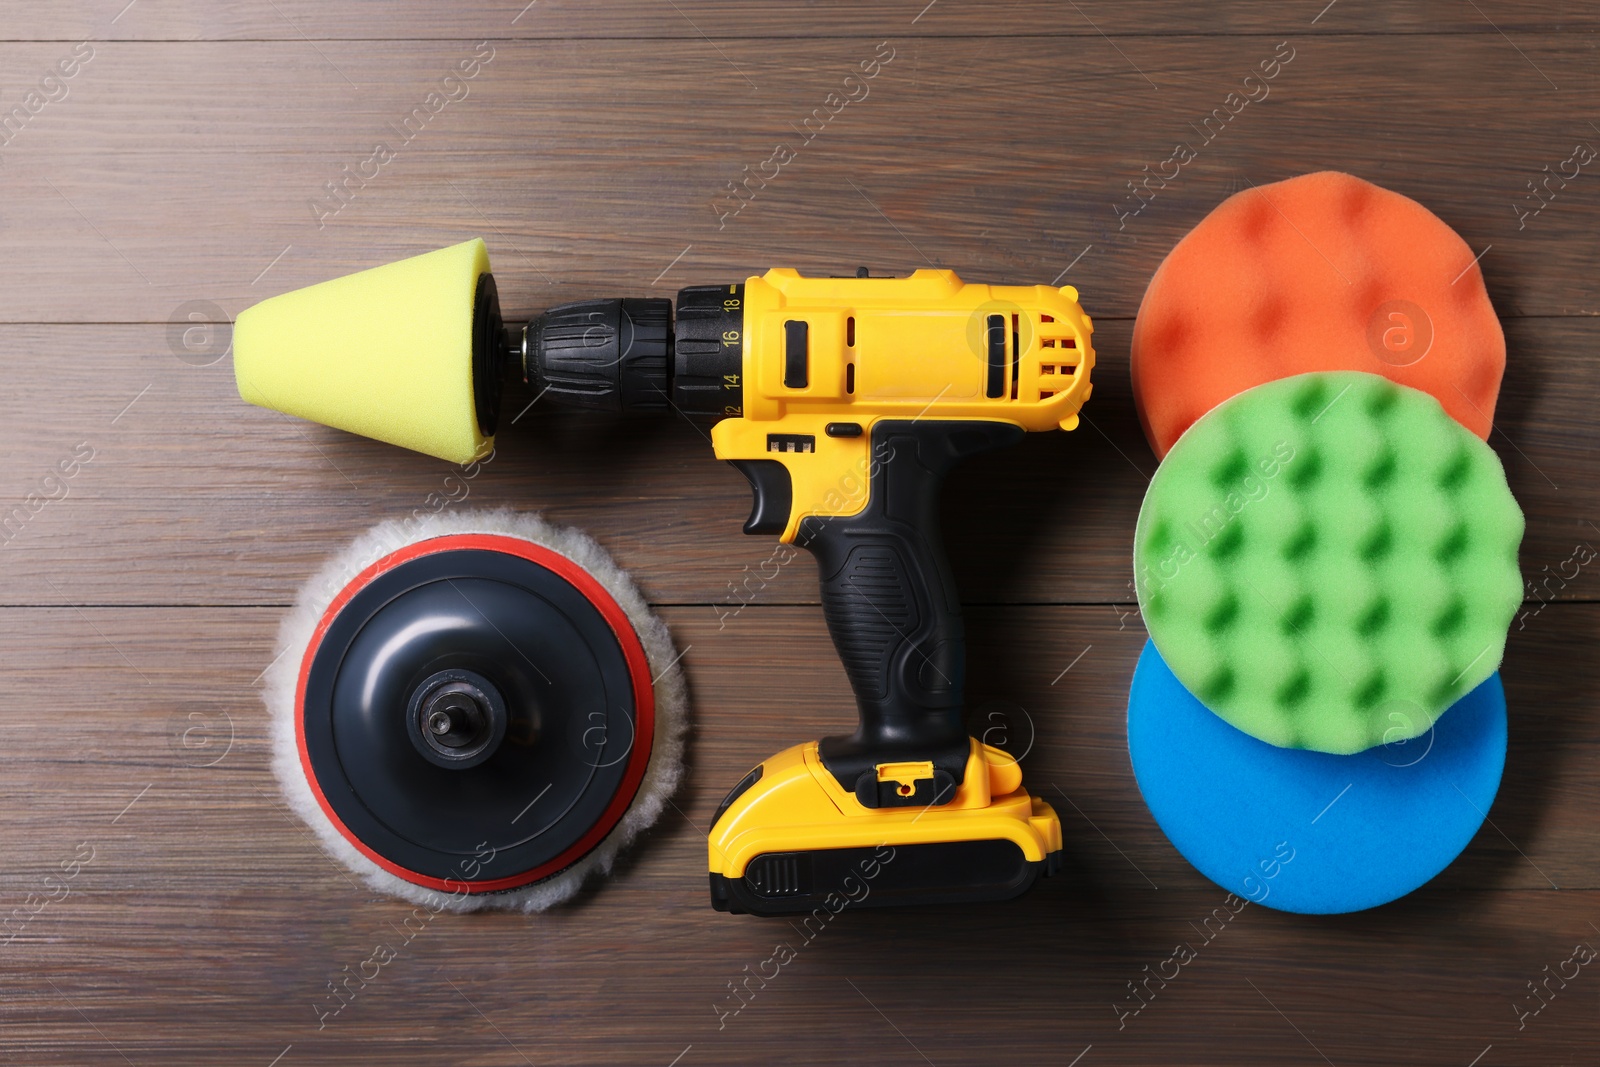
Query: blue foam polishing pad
1308, 831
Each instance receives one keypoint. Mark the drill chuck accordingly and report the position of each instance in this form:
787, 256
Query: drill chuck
601, 355
626, 355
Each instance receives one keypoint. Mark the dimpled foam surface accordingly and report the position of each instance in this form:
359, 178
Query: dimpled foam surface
1320, 272
386, 353
1329, 561
1307, 831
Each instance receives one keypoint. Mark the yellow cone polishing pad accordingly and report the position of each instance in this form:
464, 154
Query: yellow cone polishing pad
477, 710
404, 353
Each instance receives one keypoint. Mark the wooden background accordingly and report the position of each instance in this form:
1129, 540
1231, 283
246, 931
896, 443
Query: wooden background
170, 186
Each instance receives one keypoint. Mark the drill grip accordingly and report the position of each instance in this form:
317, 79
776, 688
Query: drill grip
894, 613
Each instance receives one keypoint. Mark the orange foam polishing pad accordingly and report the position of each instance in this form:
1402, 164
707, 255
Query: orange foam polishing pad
1320, 272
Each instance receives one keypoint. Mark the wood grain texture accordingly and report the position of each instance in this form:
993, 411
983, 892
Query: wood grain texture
298, 20
140, 606
596, 165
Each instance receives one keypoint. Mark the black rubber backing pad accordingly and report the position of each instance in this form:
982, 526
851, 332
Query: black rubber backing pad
567, 690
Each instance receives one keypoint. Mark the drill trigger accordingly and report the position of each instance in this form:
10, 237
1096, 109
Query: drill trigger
774, 493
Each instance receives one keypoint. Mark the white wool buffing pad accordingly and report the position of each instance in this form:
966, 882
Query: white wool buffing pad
303, 629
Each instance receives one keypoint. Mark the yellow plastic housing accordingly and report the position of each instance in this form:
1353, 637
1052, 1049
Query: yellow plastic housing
798, 805
386, 353
904, 348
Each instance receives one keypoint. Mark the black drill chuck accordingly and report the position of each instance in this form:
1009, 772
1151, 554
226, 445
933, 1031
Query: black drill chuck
624, 356
601, 355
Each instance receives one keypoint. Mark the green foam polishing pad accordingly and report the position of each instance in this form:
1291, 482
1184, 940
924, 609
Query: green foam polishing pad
385, 353
1329, 561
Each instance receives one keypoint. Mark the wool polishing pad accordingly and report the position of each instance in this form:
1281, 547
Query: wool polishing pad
1329, 561
475, 710
1306, 831
387, 353
1320, 272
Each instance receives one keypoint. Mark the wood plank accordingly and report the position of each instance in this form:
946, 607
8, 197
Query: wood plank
184, 472
294, 20
204, 893
1040, 980
190, 168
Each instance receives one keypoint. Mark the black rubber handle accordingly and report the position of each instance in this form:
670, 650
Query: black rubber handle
894, 613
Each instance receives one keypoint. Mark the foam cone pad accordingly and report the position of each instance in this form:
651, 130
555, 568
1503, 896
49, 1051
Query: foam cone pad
386, 353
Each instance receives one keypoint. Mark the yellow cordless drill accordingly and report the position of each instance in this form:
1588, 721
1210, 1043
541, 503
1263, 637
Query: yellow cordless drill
844, 402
